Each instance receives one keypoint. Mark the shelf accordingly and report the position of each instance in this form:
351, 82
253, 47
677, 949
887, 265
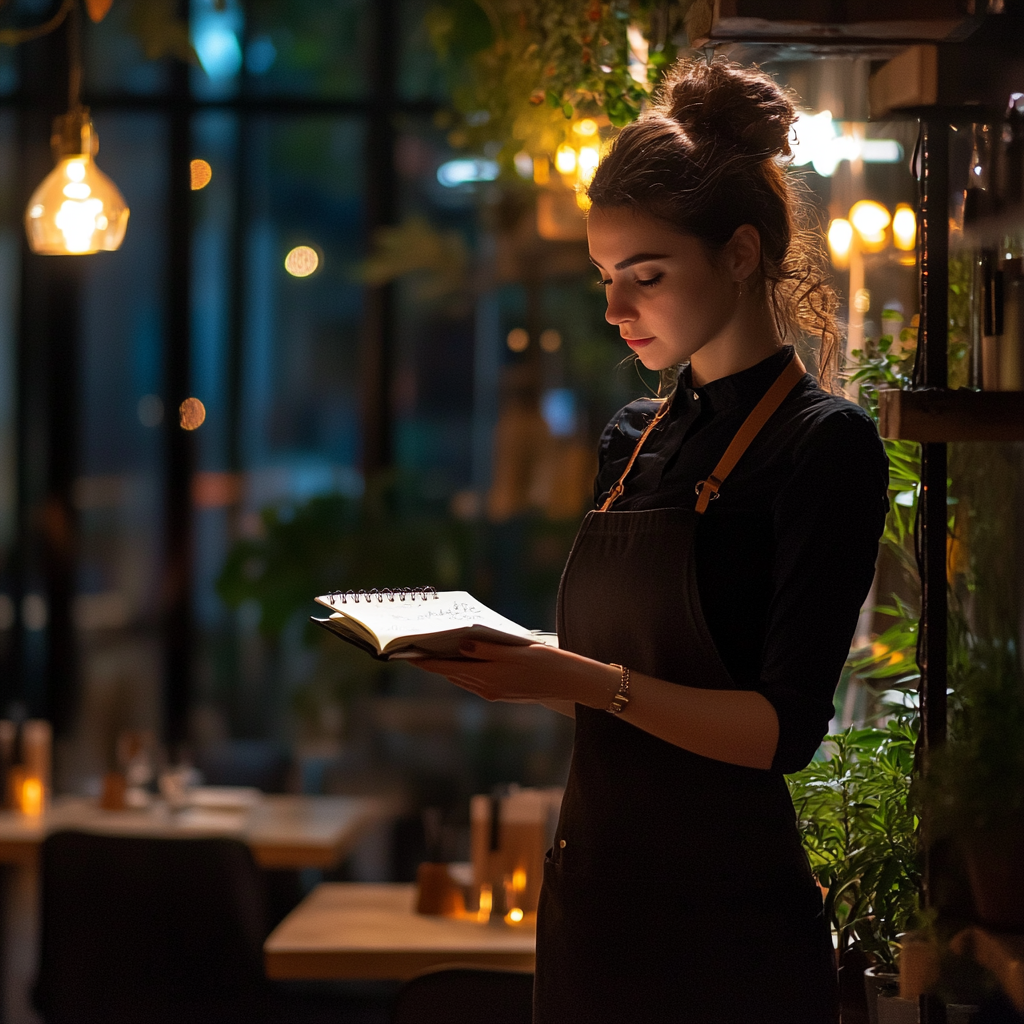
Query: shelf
935, 414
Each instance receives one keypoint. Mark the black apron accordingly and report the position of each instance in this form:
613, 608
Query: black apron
677, 889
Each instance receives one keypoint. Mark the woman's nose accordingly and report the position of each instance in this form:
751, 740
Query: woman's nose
619, 311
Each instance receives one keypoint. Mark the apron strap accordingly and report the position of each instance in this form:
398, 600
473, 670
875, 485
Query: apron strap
616, 491
707, 490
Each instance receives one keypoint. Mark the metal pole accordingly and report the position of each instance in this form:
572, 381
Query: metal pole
932, 372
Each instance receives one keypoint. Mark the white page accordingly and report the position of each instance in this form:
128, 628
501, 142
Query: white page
392, 620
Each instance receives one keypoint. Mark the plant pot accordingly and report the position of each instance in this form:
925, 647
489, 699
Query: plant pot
893, 1010
995, 870
878, 984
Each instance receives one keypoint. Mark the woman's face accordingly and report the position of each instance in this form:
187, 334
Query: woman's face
668, 299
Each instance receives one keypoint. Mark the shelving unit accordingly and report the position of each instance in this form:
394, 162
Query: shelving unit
938, 415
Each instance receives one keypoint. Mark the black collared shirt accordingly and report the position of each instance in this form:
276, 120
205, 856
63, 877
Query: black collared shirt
786, 554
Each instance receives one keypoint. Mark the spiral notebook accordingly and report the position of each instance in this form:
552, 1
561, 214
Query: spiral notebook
418, 622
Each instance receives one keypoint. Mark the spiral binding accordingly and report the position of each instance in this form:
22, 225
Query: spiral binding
412, 593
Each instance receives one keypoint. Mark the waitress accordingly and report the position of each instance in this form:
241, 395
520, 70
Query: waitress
711, 597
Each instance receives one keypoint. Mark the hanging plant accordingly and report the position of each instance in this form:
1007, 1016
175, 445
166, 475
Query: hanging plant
540, 64
155, 23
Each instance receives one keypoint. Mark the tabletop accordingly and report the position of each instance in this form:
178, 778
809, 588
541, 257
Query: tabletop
283, 831
352, 930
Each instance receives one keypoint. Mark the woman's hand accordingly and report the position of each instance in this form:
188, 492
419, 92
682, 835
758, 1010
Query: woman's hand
534, 674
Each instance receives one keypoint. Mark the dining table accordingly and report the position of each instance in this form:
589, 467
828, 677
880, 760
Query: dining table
283, 831
350, 930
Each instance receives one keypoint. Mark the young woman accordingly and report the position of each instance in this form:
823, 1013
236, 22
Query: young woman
710, 599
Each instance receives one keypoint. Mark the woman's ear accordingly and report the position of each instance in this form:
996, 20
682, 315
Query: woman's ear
743, 252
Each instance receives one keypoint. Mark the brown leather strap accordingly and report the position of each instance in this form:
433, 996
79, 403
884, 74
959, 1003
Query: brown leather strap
707, 490
616, 491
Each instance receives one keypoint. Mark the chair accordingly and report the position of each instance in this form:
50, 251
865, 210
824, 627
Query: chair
466, 995
157, 930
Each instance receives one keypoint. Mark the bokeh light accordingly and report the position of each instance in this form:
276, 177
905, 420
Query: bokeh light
840, 239
301, 261
870, 219
904, 227
191, 414
550, 340
200, 174
565, 159
518, 340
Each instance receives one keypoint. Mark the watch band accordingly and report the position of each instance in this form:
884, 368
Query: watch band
621, 698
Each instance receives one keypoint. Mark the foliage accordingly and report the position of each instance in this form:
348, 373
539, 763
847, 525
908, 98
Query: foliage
860, 834
977, 780
518, 80
888, 363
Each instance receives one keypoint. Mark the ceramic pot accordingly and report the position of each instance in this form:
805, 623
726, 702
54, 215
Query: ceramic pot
878, 983
893, 1010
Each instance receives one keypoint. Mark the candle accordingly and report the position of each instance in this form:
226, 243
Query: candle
32, 796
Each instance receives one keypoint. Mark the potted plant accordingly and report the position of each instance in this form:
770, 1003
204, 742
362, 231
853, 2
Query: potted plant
860, 833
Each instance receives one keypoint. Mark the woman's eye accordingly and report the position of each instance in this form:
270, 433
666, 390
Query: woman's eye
604, 284
649, 282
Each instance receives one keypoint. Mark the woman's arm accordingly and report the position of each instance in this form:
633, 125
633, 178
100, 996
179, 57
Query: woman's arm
737, 726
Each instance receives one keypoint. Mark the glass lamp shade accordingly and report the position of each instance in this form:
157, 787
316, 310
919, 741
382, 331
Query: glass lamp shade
76, 210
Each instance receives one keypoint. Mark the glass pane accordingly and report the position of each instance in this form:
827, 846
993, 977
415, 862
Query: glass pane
115, 50
119, 492
307, 48
420, 75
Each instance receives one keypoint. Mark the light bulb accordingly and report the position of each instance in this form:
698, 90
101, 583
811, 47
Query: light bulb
840, 239
76, 209
870, 219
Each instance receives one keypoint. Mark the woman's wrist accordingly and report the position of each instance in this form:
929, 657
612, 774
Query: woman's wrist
603, 684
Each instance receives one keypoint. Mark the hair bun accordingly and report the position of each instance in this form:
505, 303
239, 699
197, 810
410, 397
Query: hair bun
740, 106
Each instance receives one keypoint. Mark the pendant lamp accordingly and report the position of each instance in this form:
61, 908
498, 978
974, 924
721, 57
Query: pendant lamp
76, 209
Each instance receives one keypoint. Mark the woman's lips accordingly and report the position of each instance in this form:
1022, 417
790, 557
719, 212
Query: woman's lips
637, 342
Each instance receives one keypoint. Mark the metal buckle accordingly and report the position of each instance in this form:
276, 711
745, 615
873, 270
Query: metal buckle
711, 487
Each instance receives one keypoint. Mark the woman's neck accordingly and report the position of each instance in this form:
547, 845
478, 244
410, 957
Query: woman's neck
749, 337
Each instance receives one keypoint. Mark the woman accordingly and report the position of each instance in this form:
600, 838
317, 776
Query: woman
710, 599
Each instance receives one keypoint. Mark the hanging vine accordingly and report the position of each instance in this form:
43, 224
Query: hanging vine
521, 70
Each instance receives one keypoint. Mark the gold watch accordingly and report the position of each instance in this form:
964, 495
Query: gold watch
621, 698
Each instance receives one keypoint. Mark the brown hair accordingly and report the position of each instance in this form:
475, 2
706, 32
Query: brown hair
705, 157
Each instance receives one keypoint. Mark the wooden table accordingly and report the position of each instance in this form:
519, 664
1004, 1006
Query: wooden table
349, 930
281, 831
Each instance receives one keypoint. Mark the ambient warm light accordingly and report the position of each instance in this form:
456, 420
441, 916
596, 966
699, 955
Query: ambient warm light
840, 240
589, 158
565, 159
486, 903
32, 796
301, 261
76, 209
586, 127
518, 339
515, 915
904, 228
870, 219
191, 414
200, 174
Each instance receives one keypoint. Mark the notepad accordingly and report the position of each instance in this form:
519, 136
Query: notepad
392, 624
